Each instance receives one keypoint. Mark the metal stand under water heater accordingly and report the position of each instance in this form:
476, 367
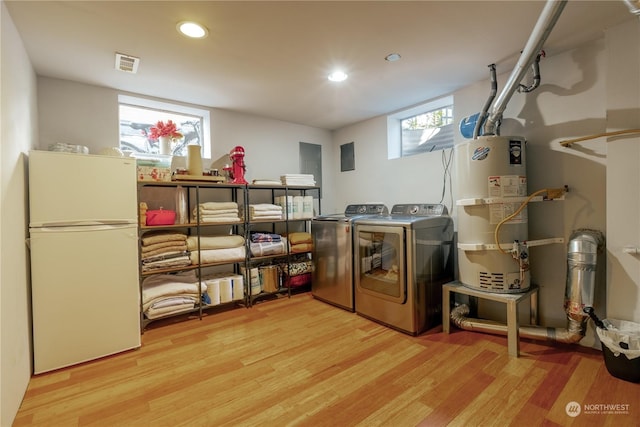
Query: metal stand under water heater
492, 177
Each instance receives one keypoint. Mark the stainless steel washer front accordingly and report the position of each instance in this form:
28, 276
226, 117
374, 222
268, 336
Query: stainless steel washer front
332, 280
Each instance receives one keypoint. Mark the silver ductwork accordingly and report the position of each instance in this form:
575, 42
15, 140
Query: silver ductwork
541, 31
535, 71
634, 6
582, 256
487, 104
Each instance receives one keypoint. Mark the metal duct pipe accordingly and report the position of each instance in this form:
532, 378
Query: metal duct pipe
634, 6
541, 31
535, 70
583, 249
487, 104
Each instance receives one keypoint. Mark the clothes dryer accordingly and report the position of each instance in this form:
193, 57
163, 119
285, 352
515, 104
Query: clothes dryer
401, 262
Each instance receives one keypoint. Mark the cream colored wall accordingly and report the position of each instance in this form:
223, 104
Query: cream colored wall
569, 103
17, 134
623, 180
412, 179
82, 114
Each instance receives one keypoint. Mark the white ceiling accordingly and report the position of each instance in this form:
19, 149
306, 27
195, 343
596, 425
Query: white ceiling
272, 58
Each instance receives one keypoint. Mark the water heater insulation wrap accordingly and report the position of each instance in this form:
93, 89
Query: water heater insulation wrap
491, 168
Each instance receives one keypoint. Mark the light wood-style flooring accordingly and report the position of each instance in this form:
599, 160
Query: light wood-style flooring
300, 362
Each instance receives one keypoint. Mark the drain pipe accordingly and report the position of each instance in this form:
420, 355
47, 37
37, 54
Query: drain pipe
541, 31
535, 70
583, 248
485, 109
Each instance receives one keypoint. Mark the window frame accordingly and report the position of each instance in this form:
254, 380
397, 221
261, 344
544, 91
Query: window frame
168, 107
395, 148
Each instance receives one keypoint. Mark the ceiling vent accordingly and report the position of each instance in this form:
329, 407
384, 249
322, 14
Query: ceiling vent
127, 63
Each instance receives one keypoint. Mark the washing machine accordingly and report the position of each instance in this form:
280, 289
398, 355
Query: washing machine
332, 277
401, 262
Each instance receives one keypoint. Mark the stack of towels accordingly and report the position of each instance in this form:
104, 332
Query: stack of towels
168, 294
266, 181
265, 211
213, 249
300, 241
302, 179
217, 212
164, 249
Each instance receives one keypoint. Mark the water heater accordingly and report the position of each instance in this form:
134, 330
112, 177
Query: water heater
492, 183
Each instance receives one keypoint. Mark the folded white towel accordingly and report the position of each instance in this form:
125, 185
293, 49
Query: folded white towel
209, 256
266, 182
258, 214
215, 242
217, 211
265, 207
266, 217
219, 205
209, 218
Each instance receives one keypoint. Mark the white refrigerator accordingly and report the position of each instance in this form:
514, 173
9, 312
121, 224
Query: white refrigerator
84, 257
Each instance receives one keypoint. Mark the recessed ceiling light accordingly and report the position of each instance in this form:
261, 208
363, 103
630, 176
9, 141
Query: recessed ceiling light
338, 76
392, 57
192, 29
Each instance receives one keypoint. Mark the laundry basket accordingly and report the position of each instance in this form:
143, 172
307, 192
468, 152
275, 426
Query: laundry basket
621, 348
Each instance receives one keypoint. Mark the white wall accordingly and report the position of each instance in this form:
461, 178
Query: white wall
568, 104
623, 180
412, 179
82, 114
17, 135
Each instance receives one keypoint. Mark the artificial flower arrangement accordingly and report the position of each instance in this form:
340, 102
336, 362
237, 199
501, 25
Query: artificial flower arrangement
161, 129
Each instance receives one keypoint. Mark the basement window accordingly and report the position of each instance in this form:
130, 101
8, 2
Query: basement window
138, 115
421, 129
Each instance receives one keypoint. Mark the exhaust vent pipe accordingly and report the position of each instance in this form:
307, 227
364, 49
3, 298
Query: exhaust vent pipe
634, 6
541, 31
583, 249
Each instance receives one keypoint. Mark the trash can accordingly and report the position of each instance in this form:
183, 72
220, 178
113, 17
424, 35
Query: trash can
621, 348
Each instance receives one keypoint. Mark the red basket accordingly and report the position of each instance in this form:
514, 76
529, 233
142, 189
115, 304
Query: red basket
161, 217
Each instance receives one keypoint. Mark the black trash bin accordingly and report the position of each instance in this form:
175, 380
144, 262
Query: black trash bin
621, 348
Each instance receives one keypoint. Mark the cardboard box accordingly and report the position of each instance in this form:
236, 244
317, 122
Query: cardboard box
151, 173
153, 167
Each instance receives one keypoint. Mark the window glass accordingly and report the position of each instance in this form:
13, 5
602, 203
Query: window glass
428, 131
421, 129
137, 116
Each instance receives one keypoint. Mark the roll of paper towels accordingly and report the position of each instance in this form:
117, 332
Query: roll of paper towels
226, 290
238, 287
307, 207
213, 290
298, 206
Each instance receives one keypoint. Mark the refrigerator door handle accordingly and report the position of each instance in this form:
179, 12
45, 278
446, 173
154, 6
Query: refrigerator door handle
82, 229
95, 222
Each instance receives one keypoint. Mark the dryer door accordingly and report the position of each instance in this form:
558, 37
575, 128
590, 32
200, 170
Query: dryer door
380, 264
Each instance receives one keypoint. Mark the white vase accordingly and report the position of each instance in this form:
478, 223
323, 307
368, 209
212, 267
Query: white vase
194, 160
165, 144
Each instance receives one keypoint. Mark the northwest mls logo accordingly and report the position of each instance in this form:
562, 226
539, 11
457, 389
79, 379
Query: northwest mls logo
480, 153
573, 409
